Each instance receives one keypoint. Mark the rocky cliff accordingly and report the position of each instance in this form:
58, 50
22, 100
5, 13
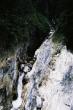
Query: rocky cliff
44, 82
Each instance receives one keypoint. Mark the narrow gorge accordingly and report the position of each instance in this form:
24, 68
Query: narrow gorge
44, 83
36, 55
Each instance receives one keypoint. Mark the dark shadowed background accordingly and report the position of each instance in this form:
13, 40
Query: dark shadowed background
28, 22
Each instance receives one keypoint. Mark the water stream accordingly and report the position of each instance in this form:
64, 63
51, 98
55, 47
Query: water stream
17, 103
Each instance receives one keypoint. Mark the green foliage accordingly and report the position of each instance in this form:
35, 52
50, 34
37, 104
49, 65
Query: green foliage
58, 38
19, 22
40, 21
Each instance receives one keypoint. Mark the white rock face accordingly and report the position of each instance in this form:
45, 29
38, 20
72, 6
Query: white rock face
50, 80
58, 91
26, 69
55, 72
43, 56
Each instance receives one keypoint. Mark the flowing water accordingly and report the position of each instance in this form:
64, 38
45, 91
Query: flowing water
16, 104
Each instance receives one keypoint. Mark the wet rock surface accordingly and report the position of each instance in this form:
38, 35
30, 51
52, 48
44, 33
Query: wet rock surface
42, 83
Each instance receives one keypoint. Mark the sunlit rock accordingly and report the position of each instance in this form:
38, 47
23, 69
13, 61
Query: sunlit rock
26, 69
45, 83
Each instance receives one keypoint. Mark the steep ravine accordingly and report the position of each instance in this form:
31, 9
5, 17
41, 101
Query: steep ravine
44, 83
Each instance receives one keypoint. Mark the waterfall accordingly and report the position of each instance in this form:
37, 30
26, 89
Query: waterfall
17, 103
15, 70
